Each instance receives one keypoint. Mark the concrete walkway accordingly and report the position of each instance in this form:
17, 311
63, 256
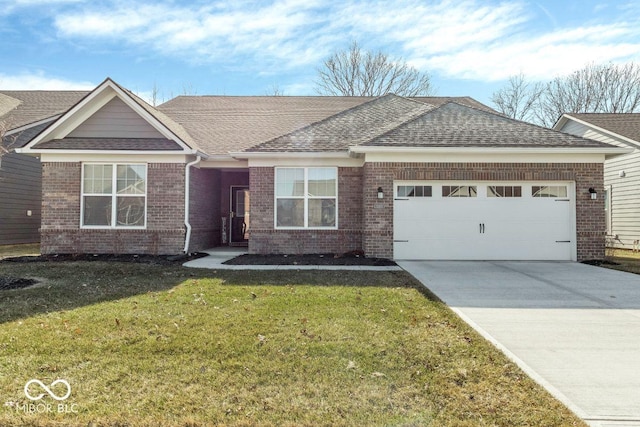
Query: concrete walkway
573, 328
218, 256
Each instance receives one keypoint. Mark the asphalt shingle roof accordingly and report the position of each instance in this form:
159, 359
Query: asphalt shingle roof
350, 127
455, 125
223, 124
624, 124
20, 139
22, 107
220, 124
400, 122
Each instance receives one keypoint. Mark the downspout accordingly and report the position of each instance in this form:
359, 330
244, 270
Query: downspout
187, 182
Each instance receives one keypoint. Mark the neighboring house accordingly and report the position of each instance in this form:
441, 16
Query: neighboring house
24, 114
428, 178
621, 173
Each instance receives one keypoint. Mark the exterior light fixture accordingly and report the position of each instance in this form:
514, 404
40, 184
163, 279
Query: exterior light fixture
622, 174
380, 193
594, 193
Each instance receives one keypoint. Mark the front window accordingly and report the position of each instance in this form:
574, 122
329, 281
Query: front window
306, 197
114, 195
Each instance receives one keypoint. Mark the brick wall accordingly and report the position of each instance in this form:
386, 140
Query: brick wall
265, 238
61, 233
378, 214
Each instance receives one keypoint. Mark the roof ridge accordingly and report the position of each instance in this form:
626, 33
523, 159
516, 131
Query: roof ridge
406, 122
403, 119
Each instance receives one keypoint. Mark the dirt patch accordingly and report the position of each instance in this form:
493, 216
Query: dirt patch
8, 283
141, 259
310, 259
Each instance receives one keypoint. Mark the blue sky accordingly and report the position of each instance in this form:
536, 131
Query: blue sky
469, 47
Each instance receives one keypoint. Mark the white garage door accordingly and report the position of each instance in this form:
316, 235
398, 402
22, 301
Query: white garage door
484, 221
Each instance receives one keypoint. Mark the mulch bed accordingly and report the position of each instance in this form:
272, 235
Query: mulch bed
599, 262
141, 259
310, 259
8, 282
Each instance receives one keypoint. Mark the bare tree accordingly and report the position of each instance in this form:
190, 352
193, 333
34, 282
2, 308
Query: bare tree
519, 98
155, 93
605, 88
355, 72
274, 90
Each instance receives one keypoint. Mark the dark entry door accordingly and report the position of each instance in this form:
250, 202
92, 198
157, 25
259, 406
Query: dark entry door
239, 230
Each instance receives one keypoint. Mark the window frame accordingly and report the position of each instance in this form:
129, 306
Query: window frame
114, 196
305, 197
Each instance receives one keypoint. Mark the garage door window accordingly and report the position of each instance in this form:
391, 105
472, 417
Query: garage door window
414, 191
459, 191
549, 191
504, 191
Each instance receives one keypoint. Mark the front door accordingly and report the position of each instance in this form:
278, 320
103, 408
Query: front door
239, 214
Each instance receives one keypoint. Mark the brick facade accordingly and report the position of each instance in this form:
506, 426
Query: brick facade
364, 221
61, 232
378, 213
266, 239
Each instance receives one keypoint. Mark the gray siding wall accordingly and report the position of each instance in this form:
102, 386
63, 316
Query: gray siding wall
115, 120
20, 191
625, 191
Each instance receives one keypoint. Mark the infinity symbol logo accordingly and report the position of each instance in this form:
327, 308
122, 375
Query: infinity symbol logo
47, 389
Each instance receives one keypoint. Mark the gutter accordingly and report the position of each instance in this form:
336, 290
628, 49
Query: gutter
187, 182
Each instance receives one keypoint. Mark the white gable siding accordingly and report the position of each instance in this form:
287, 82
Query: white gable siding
115, 120
625, 192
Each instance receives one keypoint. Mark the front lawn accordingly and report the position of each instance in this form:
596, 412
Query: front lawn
149, 345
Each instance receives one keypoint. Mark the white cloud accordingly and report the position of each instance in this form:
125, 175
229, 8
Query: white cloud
470, 39
542, 57
202, 34
40, 81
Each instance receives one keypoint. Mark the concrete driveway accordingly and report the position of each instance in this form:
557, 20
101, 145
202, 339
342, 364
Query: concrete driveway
574, 328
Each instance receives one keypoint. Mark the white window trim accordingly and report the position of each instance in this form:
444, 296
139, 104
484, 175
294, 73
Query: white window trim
304, 197
114, 197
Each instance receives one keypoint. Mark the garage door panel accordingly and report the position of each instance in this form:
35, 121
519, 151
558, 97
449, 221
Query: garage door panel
492, 228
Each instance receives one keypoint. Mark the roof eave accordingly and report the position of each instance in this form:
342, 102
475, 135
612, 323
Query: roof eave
40, 151
359, 149
289, 154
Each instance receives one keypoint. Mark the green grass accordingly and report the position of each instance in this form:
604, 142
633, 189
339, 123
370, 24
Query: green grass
145, 345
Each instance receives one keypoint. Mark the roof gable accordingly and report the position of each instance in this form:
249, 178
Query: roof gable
80, 121
115, 120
